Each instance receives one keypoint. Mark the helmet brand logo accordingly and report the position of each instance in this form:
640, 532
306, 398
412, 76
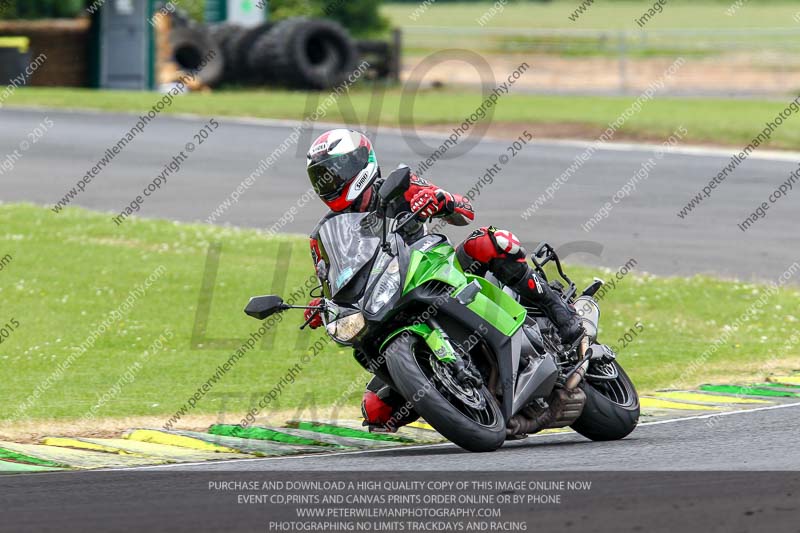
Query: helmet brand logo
363, 178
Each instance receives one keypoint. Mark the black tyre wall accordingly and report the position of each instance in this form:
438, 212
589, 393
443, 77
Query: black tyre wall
223, 34
190, 46
305, 53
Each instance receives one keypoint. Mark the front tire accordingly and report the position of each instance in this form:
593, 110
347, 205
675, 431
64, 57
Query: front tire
409, 361
611, 411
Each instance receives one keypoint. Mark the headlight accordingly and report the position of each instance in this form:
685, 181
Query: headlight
346, 328
387, 286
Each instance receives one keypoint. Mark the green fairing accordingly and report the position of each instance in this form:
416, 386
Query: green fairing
438, 263
492, 304
497, 307
440, 347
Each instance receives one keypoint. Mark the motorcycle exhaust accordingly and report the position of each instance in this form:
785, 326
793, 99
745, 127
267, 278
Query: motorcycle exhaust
566, 404
564, 408
577, 376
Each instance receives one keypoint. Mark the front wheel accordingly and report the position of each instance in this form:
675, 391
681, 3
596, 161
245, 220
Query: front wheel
467, 416
611, 411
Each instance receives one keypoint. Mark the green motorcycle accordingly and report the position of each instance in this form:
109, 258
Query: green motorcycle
466, 355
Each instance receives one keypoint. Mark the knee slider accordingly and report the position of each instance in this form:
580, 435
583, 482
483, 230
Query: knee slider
507, 243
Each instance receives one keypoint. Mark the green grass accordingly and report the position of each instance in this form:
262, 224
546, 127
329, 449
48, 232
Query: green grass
684, 14
730, 122
70, 270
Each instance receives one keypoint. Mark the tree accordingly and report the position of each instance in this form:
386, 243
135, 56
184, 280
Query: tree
34, 9
361, 17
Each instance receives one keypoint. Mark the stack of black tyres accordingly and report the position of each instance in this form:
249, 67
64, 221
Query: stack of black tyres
305, 53
223, 34
241, 46
298, 52
193, 47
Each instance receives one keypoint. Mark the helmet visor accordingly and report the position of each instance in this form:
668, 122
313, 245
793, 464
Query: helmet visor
329, 177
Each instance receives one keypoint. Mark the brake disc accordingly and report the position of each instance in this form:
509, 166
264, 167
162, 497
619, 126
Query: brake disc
469, 396
602, 372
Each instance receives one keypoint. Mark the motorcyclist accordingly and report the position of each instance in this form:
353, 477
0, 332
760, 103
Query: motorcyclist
344, 172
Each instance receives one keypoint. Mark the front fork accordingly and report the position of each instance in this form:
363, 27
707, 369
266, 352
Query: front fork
463, 370
443, 348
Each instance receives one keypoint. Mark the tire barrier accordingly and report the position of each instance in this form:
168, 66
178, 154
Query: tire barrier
241, 45
223, 34
298, 53
193, 48
305, 53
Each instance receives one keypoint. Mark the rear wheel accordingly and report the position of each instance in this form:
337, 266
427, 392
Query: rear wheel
467, 416
611, 411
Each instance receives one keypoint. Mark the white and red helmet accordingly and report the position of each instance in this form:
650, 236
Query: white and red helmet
341, 166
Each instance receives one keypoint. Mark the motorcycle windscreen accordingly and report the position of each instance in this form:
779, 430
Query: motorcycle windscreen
351, 241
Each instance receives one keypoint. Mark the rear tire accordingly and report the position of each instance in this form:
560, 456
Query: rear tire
406, 357
611, 411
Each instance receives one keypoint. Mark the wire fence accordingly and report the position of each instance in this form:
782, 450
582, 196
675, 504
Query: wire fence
718, 61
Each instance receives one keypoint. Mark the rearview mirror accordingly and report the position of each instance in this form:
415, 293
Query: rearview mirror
261, 307
395, 183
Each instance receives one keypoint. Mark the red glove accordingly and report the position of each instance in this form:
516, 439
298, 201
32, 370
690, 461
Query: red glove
317, 320
429, 195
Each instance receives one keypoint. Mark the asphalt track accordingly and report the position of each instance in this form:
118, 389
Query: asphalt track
644, 226
760, 439
734, 473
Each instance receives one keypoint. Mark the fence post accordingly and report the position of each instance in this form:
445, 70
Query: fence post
397, 54
623, 63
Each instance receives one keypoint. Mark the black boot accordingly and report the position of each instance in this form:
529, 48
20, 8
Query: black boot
534, 291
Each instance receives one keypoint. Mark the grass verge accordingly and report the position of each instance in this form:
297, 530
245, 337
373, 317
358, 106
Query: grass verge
69, 271
724, 122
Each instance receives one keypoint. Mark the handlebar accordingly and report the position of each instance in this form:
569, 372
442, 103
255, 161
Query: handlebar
415, 215
543, 254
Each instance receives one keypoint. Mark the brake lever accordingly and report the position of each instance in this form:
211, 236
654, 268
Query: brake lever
414, 216
308, 321
440, 197
319, 309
